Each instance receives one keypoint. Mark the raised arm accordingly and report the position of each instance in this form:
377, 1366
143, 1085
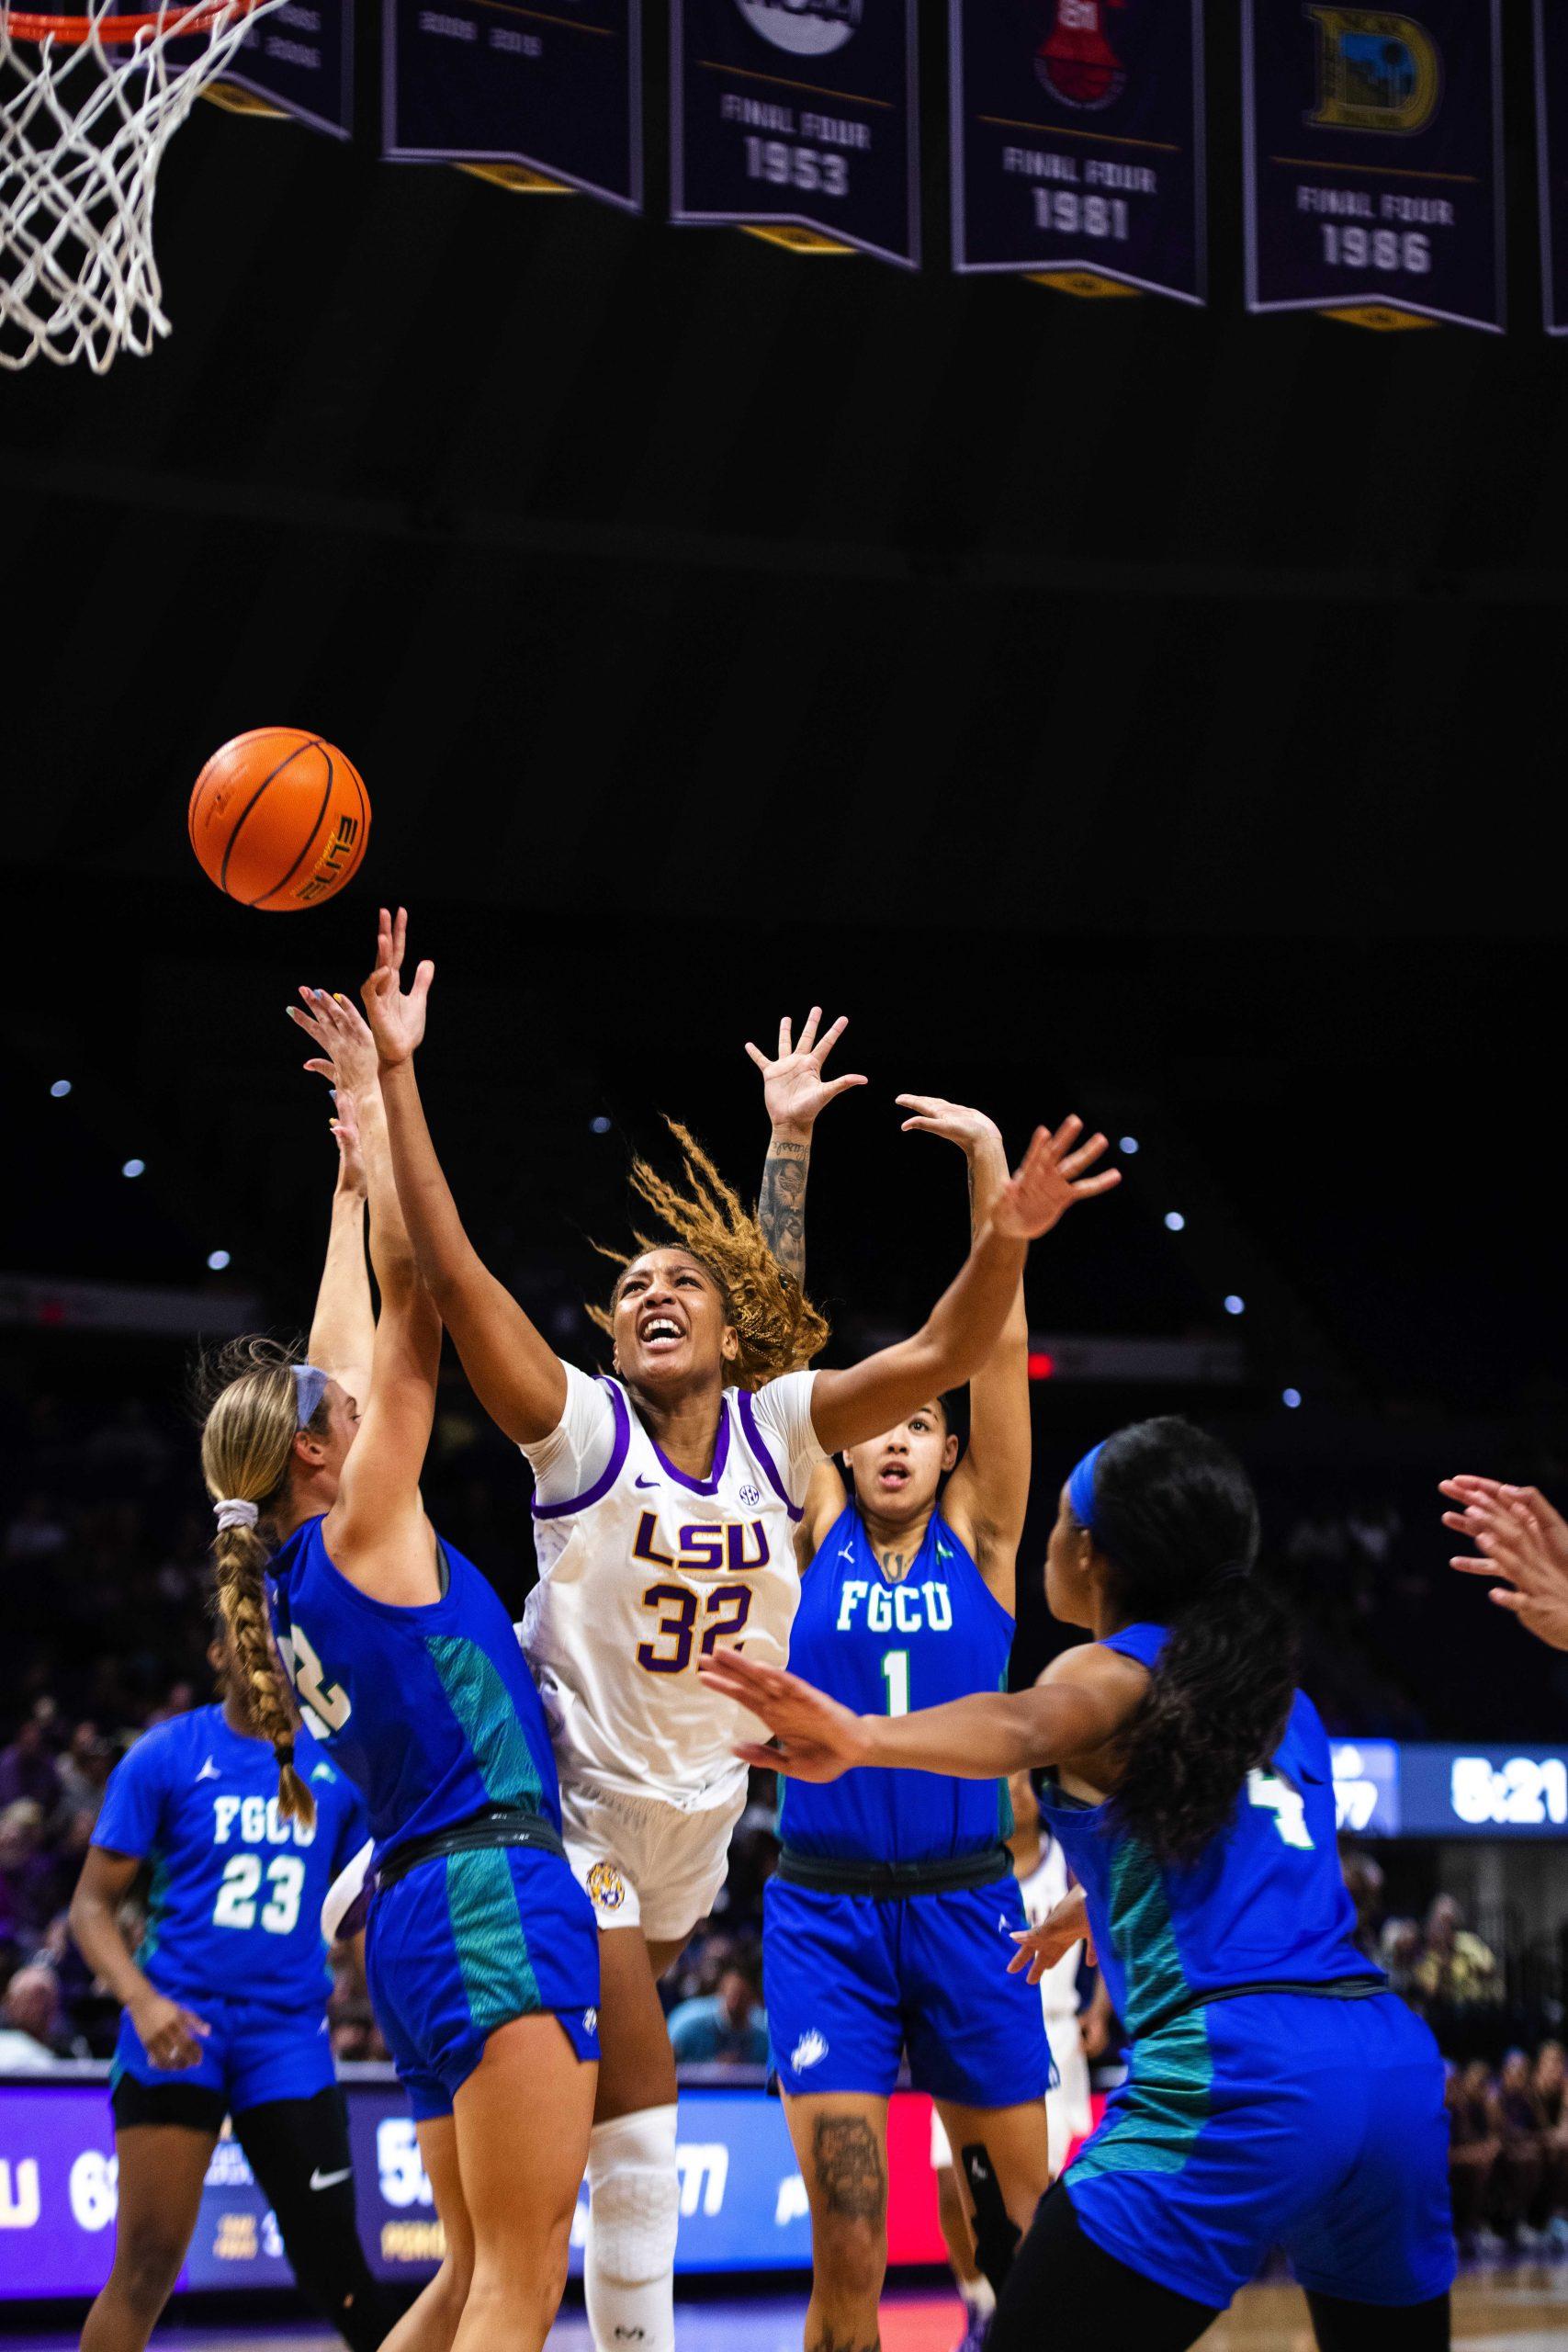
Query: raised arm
343, 1328
514, 1372
988, 1494
966, 1322
1084, 1699
794, 1093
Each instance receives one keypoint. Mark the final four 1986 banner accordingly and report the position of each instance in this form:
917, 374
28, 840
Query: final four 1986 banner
556, 88
1374, 158
1551, 104
1078, 139
801, 112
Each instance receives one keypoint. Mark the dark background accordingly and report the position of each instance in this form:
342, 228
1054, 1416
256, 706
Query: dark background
1110, 706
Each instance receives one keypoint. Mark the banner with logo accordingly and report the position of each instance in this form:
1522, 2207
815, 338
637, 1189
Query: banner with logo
798, 113
1078, 139
557, 90
301, 58
1551, 114
1374, 160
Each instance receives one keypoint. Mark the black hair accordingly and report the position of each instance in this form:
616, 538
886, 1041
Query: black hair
1177, 1517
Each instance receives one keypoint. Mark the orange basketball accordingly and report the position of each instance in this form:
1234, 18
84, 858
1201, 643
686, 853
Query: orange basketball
279, 820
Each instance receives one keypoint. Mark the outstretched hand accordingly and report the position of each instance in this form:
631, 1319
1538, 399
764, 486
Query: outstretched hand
954, 1121
396, 1016
795, 1092
1053, 1173
813, 1737
1520, 1540
1064, 1926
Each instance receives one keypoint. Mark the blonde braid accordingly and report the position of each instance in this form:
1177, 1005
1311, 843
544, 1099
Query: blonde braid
777, 1326
247, 1440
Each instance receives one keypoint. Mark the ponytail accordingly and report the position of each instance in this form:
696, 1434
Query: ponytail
1176, 1516
255, 1398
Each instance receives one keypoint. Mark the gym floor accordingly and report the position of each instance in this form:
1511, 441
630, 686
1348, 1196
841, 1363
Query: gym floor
1523, 2307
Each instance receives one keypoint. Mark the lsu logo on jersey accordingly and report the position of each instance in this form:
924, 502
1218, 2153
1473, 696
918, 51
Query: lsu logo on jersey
607, 1887
1376, 70
731, 1547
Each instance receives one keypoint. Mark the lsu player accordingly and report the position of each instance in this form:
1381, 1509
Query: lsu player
480, 1948
224, 2007
887, 1925
665, 1503
1278, 2093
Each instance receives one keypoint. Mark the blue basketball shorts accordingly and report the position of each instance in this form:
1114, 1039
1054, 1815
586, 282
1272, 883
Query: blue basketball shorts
1278, 2119
252, 2056
465, 1943
853, 1981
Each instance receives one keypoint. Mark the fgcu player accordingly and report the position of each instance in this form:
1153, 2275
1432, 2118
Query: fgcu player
225, 2007
1278, 2093
480, 1949
665, 1502
889, 1922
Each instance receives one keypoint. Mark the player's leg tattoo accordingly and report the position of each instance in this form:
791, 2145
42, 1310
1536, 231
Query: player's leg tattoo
849, 2168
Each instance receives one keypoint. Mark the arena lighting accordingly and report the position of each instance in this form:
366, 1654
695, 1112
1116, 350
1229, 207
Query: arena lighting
217, 1259
61, 1088
1041, 1365
599, 1126
1235, 1305
1130, 1145
1292, 1398
133, 1168
1174, 1221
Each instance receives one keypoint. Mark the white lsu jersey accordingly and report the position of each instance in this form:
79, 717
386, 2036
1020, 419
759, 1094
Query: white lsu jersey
1045, 1887
643, 1570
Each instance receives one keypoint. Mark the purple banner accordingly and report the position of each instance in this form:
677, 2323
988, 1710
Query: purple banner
1374, 158
801, 114
301, 58
1077, 140
1551, 112
557, 91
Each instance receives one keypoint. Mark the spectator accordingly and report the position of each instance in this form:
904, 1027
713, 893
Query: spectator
1456, 1970
1472, 2156
27, 1769
1516, 2183
84, 1773
728, 2027
1399, 1957
28, 2017
1551, 2103
29, 1879
1363, 1879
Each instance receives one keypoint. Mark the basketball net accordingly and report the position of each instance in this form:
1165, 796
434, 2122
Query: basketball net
88, 102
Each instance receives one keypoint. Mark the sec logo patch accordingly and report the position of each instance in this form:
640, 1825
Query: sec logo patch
607, 1887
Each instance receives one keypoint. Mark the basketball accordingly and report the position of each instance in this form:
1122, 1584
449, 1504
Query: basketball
279, 820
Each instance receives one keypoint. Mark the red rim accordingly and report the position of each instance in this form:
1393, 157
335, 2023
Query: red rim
70, 31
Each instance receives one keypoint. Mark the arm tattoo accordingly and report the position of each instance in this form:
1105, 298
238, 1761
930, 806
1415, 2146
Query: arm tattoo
849, 2168
781, 1205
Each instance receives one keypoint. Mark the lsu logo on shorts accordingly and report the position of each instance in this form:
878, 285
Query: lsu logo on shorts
607, 1887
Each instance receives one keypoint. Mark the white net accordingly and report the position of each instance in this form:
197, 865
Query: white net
87, 104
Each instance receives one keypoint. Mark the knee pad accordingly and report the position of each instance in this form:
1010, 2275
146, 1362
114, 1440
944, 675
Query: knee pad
996, 2232
634, 2210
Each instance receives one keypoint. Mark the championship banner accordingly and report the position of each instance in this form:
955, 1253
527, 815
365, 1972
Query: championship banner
1077, 140
543, 96
299, 61
798, 116
1374, 161
1552, 109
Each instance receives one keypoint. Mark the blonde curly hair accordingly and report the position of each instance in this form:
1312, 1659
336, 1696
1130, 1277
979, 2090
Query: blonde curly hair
777, 1326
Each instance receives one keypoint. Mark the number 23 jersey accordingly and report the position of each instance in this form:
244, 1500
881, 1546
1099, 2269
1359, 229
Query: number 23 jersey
643, 1570
234, 1910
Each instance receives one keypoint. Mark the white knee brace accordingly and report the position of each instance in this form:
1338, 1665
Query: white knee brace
634, 2201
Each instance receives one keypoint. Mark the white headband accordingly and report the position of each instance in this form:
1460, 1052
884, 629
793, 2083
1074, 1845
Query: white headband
233, 1512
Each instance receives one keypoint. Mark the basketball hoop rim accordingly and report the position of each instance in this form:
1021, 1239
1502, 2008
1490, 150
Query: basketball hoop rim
176, 22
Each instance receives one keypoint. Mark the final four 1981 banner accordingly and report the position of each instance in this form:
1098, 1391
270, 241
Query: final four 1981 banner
801, 112
1374, 158
557, 88
1078, 139
1552, 105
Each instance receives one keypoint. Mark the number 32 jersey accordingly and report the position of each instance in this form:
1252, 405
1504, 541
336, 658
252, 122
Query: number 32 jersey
234, 1910
643, 1570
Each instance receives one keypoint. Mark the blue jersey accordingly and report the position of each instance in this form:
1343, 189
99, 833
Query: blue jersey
1265, 1903
430, 1711
235, 1906
883, 1649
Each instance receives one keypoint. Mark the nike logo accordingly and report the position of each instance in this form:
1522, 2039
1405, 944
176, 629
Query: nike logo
645, 1482
330, 2179
210, 1771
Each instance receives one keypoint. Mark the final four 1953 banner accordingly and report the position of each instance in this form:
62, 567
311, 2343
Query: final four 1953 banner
1078, 139
799, 112
1374, 158
1551, 105
556, 89
301, 57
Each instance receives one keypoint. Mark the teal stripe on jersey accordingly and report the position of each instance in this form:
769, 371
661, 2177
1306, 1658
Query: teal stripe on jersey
1145, 1937
487, 1931
157, 1896
1165, 2105
482, 1704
